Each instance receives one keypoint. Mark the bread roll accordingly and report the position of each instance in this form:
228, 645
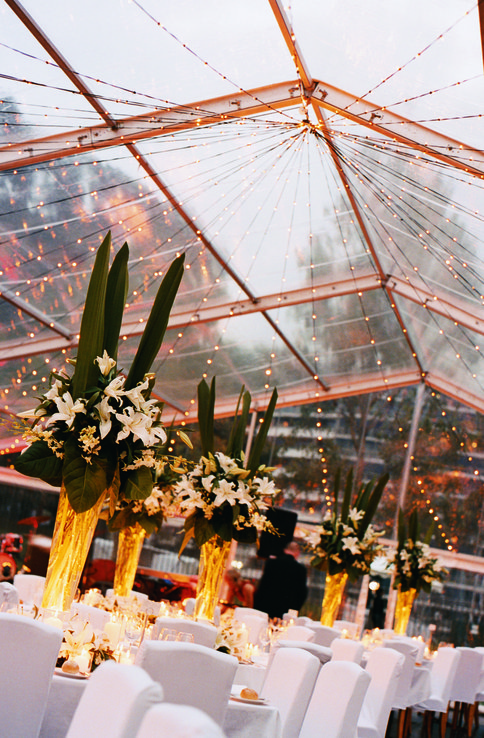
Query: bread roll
70, 667
249, 694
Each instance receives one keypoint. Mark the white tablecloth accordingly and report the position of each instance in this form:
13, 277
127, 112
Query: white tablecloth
252, 721
242, 720
250, 675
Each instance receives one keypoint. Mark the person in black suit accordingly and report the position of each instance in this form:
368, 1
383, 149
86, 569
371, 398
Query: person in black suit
283, 584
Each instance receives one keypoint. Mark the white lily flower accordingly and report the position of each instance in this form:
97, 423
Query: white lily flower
140, 426
136, 396
105, 363
54, 390
226, 462
105, 410
67, 409
115, 389
34, 413
352, 544
225, 493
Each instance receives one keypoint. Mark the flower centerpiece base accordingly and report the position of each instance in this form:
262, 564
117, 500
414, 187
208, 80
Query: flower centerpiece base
333, 594
130, 543
71, 541
213, 557
403, 608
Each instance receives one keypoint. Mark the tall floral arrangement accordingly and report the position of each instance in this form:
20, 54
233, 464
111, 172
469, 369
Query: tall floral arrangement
97, 433
412, 561
226, 495
346, 541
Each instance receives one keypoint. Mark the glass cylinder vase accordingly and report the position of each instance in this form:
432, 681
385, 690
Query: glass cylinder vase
130, 543
333, 594
213, 557
71, 541
403, 608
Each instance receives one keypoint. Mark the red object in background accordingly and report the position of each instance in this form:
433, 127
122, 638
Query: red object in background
8, 567
34, 520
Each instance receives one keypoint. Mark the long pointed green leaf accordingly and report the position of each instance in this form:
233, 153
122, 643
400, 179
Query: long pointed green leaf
402, 529
155, 329
116, 292
92, 323
413, 526
240, 426
260, 439
429, 534
337, 478
233, 430
346, 504
206, 404
373, 503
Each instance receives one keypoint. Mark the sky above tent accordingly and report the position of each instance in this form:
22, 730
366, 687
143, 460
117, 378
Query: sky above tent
320, 163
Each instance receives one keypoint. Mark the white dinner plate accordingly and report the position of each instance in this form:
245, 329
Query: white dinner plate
79, 675
259, 701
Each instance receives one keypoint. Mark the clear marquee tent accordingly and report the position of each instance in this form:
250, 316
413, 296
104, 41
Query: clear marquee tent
319, 162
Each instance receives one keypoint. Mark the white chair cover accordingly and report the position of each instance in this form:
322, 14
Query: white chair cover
345, 649
384, 665
409, 651
480, 688
323, 653
114, 702
191, 674
336, 701
352, 628
323, 634
95, 616
9, 596
28, 653
297, 633
254, 624
241, 612
420, 645
303, 620
178, 721
203, 633
465, 684
30, 588
288, 686
441, 680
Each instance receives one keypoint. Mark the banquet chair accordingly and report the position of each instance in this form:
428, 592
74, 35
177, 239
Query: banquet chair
323, 634
297, 633
28, 654
303, 620
254, 624
9, 597
480, 690
403, 699
203, 633
241, 612
442, 674
465, 686
323, 653
384, 665
345, 649
30, 588
95, 616
352, 628
189, 605
336, 701
288, 686
178, 721
191, 674
114, 702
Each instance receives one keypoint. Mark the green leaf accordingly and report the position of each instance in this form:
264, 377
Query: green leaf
345, 507
245, 535
204, 531
239, 427
260, 439
401, 529
337, 481
38, 460
413, 526
233, 430
206, 404
84, 483
155, 329
373, 504
116, 292
137, 484
92, 324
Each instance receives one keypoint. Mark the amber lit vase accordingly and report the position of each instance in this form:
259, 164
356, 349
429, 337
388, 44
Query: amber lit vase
403, 608
333, 594
213, 557
130, 543
71, 541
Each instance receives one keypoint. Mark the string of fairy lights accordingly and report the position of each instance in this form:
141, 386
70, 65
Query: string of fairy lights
277, 161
